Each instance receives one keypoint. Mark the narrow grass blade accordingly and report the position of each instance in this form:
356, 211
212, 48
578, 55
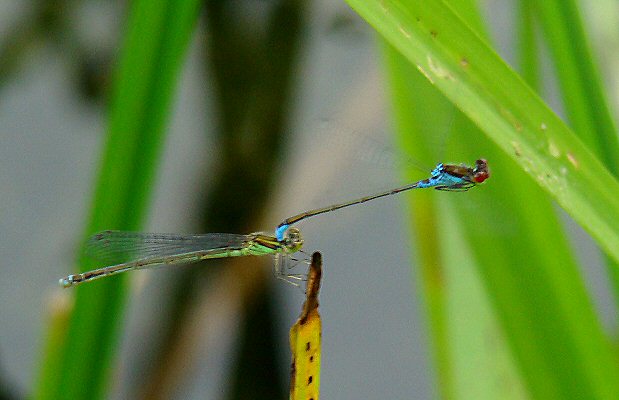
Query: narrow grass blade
582, 95
148, 69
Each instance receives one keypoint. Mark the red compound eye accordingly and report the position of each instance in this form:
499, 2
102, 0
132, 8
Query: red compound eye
481, 176
481, 171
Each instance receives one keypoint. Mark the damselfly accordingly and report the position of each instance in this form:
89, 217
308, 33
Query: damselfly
450, 177
146, 250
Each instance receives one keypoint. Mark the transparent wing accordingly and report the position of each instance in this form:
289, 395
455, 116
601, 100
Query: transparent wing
120, 246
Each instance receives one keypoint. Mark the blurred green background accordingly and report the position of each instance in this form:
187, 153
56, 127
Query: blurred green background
189, 116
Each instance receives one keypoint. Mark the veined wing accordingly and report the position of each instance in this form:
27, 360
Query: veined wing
120, 246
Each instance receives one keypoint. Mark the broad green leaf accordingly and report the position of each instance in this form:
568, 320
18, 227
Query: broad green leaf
472, 76
534, 286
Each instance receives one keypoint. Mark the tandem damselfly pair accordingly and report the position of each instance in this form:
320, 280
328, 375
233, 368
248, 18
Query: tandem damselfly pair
146, 250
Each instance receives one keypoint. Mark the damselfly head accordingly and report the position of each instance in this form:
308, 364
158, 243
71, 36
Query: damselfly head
293, 239
481, 171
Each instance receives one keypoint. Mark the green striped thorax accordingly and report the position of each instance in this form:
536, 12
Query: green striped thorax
292, 241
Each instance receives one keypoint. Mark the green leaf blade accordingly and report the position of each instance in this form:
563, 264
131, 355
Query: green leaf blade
523, 260
461, 65
156, 40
